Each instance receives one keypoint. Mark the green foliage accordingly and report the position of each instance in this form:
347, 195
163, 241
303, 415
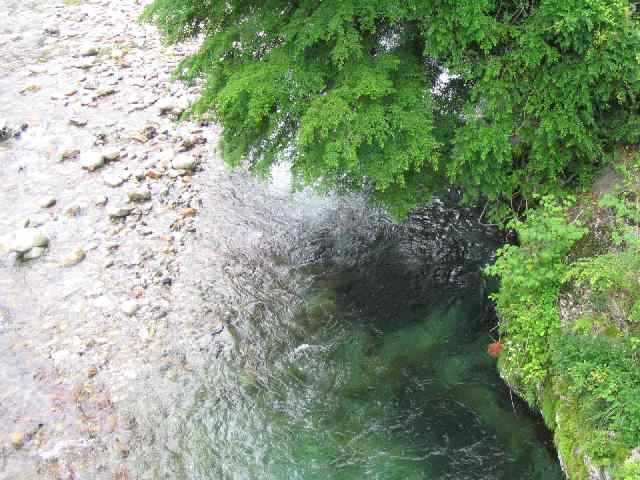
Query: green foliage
531, 277
604, 377
583, 373
350, 92
630, 470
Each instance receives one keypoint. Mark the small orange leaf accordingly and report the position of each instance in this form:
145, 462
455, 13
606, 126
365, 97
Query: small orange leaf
494, 349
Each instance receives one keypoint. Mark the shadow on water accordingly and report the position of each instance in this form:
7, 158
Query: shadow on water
360, 353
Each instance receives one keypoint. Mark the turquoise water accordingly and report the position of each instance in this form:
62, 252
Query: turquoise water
369, 365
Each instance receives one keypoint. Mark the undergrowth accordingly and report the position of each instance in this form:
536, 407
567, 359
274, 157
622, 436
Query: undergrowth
581, 371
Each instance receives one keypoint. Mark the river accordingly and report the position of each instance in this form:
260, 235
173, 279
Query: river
352, 348
266, 335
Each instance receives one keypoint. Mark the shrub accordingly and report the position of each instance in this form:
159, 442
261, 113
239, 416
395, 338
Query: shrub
351, 93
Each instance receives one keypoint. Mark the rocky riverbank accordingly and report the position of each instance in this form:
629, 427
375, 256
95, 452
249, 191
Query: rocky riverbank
100, 200
569, 306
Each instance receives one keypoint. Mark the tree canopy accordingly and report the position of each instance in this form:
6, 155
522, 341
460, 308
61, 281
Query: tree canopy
415, 97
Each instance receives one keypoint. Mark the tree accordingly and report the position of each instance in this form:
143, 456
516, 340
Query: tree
412, 98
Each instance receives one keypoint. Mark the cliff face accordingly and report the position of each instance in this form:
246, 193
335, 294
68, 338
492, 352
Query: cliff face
571, 337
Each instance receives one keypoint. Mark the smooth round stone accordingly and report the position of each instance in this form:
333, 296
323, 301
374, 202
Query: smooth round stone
184, 162
130, 307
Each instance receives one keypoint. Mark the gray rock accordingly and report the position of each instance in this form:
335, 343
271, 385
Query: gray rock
119, 211
130, 307
23, 240
184, 162
92, 160
141, 194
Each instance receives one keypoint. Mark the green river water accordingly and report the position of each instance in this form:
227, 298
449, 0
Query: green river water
361, 354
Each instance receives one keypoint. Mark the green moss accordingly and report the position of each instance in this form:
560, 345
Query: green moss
549, 407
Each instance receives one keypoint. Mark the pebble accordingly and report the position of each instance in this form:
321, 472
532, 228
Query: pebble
78, 121
17, 440
68, 153
5, 132
52, 30
92, 160
130, 307
85, 63
111, 154
73, 211
104, 92
47, 202
113, 179
92, 372
167, 105
88, 51
74, 258
23, 240
119, 211
117, 54
184, 162
189, 212
122, 449
141, 194
154, 174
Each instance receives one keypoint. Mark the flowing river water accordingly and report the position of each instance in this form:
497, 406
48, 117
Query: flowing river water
356, 349
279, 336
